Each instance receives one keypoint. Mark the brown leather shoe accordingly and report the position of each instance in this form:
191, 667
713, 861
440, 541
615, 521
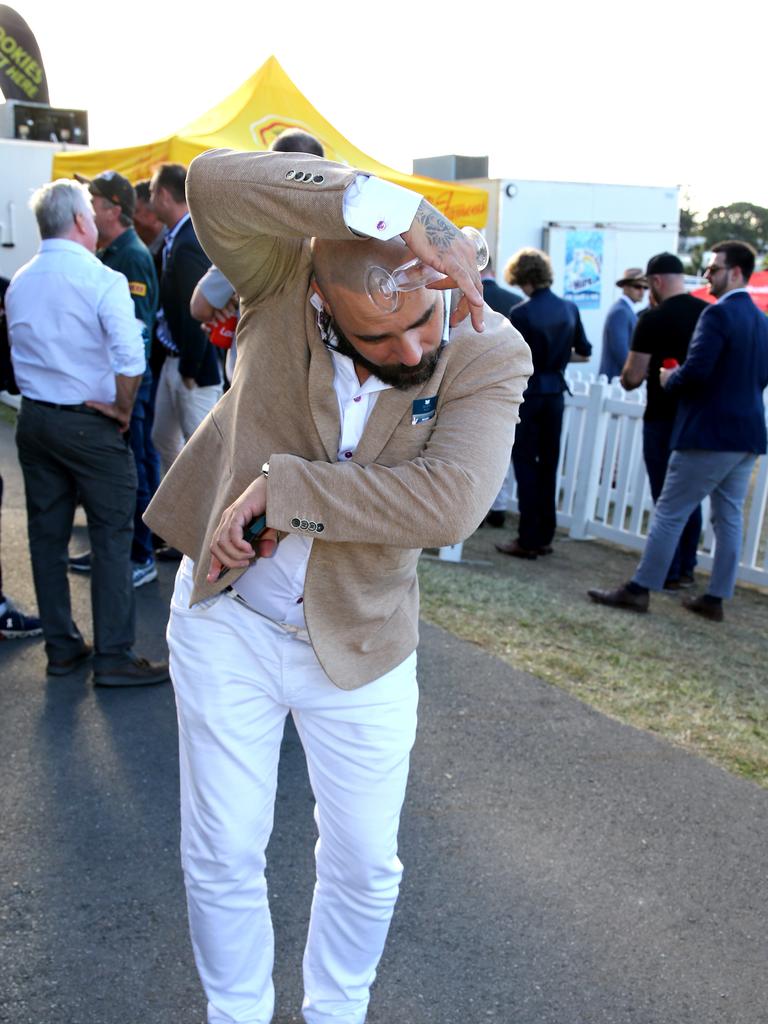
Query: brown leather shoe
69, 665
712, 610
621, 598
514, 549
131, 670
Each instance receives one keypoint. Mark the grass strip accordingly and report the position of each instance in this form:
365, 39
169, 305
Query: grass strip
701, 685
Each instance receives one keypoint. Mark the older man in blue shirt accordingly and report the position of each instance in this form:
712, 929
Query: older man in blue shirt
78, 355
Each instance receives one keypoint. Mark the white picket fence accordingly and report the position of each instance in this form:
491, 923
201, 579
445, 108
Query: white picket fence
603, 488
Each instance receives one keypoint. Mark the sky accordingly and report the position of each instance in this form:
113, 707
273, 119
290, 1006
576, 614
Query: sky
657, 94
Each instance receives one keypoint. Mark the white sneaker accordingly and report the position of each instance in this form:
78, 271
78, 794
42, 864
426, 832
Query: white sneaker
144, 572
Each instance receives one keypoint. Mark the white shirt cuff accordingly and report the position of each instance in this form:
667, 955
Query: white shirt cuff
378, 208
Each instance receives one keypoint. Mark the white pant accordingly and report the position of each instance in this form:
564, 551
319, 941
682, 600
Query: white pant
236, 676
179, 411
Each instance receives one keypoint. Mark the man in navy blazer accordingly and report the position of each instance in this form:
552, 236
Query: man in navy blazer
719, 431
190, 380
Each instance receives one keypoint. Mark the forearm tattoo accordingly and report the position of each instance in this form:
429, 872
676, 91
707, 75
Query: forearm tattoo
440, 232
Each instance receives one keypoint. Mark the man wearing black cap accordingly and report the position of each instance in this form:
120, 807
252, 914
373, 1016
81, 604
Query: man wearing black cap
121, 249
664, 333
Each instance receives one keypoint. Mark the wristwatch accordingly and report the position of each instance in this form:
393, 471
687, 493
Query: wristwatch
265, 469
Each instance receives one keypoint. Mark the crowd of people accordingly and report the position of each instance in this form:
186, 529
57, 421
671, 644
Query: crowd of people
706, 368
349, 435
144, 236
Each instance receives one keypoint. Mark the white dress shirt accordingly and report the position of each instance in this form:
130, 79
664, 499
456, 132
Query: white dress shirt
72, 326
378, 208
733, 291
275, 586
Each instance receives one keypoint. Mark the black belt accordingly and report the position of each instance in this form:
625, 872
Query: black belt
80, 407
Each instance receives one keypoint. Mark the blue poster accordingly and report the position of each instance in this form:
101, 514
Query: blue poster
583, 268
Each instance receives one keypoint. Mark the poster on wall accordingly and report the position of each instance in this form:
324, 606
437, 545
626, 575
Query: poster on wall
583, 268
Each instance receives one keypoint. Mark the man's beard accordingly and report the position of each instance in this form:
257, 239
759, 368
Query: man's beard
401, 377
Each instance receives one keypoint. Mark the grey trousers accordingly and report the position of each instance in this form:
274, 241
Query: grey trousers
66, 455
692, 476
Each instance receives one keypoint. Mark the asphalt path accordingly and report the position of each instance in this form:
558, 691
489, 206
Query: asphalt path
560, 868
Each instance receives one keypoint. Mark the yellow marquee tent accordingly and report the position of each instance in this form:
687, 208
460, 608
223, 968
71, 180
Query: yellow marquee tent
250, 119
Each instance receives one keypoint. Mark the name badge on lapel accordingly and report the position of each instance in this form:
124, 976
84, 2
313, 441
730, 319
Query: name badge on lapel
424, 409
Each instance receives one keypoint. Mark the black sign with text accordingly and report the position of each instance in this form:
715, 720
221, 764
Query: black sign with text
22, 75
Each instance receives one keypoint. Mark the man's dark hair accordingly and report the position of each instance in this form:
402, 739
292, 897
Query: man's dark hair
142, 190
738, 254
294, 140
173, 178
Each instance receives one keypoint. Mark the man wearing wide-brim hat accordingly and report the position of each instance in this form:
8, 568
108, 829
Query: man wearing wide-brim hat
620, 322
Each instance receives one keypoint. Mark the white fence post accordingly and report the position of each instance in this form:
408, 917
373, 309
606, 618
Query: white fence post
451, 553
589, 461
602, 485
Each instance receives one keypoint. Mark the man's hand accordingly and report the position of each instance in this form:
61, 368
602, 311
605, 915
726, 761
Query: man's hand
664, 375
125, 395
440, 244
232, 308
189, 383
113, 412
229, 548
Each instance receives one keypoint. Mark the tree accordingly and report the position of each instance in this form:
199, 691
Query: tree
743, 222
688, 224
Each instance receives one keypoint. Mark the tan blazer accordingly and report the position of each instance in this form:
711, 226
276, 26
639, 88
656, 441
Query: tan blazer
408, 485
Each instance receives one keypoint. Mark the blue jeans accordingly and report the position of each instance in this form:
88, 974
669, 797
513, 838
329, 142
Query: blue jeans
656, 453
691, 476
147, 466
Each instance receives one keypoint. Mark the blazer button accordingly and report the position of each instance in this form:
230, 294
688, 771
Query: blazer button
304, 524
320, 528
289, 175
295, 523
318, 179
312, 526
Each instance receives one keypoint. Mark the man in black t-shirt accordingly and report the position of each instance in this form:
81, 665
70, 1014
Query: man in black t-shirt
663, 333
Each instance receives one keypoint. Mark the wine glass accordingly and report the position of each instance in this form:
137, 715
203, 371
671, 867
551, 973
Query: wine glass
385, 288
